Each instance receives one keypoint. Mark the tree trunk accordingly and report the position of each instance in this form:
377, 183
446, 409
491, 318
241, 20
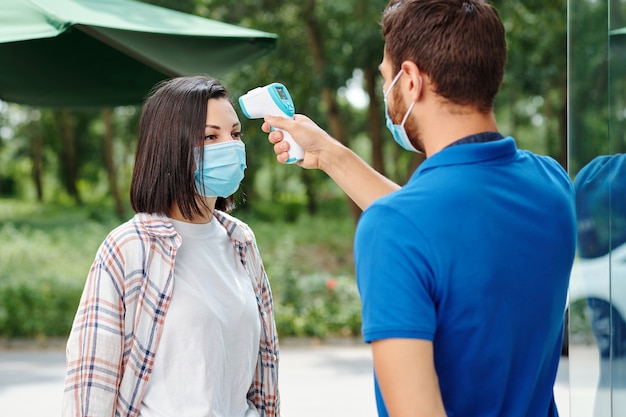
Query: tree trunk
329, 95
65, 122
563, 130
308, 186
37, 159
109, 163
557, 146
375, 126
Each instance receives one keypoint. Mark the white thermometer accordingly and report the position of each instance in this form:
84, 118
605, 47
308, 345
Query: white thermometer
273, 99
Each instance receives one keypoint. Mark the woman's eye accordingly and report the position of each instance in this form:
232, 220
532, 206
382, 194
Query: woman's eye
210, 137
236, 135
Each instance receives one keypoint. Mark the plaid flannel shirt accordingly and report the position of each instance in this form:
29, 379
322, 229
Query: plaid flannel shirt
116, 331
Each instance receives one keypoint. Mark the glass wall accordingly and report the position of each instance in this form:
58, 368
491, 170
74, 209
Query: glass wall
597, 164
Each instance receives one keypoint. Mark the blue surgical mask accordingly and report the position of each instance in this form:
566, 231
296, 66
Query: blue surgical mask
222, 170
397, 131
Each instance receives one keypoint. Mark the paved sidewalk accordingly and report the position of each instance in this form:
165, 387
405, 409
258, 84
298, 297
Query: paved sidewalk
31, 383
331, 380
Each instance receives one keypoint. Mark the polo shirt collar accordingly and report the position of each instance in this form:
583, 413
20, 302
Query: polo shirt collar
471, 153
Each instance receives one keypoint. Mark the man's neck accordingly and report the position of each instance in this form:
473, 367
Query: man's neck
444, 128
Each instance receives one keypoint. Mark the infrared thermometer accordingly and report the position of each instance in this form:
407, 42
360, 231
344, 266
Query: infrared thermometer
273, 99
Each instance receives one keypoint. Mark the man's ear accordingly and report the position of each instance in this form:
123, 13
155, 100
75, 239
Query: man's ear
416, 79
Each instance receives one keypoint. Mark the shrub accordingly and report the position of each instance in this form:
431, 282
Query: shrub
37, 309
318, 305
42, 271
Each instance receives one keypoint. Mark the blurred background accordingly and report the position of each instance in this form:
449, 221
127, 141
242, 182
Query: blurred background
65, 172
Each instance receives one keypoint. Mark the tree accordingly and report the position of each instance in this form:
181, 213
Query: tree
588, 132
321, 42
533, 98
109, 161
36, 150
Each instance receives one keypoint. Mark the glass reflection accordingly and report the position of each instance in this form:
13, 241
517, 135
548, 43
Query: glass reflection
601, 209
597, 162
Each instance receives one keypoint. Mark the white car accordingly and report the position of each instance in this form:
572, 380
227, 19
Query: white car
601, 282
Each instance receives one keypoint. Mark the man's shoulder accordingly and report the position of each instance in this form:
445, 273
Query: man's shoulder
408, 209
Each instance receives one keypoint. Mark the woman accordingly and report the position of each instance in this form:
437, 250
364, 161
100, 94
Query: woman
176, 318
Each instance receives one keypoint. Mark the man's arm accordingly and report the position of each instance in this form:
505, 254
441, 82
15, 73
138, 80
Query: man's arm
362, 183
407, 378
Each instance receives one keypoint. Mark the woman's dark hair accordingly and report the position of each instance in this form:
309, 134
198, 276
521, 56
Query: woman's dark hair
171, 127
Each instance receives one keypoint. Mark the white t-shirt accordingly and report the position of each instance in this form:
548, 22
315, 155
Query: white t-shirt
205, 361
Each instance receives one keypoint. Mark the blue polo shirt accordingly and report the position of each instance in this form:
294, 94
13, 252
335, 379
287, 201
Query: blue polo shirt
601, 205
474, 254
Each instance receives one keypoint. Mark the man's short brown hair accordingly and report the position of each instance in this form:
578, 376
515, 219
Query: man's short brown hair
459, 44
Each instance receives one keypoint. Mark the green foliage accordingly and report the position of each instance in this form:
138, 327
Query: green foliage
597, 80
309, 265
532, 101
580, 331
47, 242
579, 320
37, 309
320, 44
52, 245
318, 306
531, 105
47, 251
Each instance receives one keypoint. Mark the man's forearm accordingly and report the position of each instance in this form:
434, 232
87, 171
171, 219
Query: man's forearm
362, 183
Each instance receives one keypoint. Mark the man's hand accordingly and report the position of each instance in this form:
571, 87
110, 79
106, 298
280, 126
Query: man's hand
305, 132
356, 178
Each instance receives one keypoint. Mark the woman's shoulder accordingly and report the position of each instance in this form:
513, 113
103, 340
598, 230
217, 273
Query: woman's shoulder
144, 227
236, 228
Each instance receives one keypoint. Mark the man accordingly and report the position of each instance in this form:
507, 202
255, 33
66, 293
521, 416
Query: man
463, 272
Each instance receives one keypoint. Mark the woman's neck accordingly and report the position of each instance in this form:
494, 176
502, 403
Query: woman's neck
207, 206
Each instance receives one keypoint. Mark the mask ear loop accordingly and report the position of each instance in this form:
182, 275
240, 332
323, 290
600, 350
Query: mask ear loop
393, 82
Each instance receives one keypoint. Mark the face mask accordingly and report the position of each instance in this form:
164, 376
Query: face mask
397, 131
222, 170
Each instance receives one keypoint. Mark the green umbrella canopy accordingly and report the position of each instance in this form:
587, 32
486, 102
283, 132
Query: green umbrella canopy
618, 32
617, 42
78, 53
